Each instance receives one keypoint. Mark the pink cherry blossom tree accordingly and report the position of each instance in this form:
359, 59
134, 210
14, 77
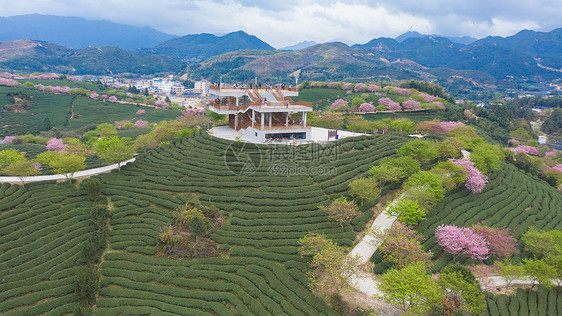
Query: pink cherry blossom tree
427, 97
104, 96
346, 86
141, 124
529, 150
8, 140
447, 126
475, 180
401, 246
555, 168
113, 98
55, 144
7, 75
389, 104
458, 240
161, 104
141, 111
339, 103
411, 105
9, 82
359, 87
433, 127
94, 95
129, 94
366, 107
401, 91
500, 241
550, 154
373, 87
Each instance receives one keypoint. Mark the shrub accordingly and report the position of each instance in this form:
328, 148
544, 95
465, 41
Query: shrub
407, 211
87, 283
92, 187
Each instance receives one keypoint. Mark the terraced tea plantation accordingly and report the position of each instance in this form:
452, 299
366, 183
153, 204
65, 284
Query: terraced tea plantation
526, 302
511, 199
42, 230
60, 108
270, 193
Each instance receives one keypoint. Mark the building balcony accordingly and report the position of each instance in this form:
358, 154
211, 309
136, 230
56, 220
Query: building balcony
266, 127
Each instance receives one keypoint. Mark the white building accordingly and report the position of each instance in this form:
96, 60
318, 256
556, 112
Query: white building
202, 87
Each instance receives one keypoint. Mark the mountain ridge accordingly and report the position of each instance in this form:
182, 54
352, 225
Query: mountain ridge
76, 32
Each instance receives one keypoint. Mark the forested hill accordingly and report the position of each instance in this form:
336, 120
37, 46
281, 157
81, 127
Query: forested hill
36, 56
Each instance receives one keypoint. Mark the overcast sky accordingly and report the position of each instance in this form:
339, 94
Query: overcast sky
286, 22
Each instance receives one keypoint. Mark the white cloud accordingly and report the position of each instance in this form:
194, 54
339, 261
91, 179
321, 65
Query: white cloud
282, 23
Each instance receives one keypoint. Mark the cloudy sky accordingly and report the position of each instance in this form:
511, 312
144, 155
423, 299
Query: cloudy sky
286, 22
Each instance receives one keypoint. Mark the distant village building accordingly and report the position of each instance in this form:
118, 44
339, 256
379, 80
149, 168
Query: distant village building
167, 86
263, 115
202, 87
542, 139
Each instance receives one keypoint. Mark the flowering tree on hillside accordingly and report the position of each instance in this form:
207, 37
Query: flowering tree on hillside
112, 98
458, 240
411, 105
346, 86
129, 94
366, 107
401, 246
7, 75
389, 104
550, 154
447, 126
402, 91
475, 180
195, 111
8, 139
500, 242
141, 111
9, 82
341, 210
529, 150
359, 87
94, 95
55, 144
427, 97
555, 168
141, 124
338, 104
433, 127
161, 104
373, 87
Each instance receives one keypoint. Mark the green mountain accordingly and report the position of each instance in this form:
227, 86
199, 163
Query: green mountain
197, 47
31, 56
328, 61
526, 54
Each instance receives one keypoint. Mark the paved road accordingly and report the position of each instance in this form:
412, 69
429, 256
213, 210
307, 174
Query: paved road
79, 174
367, 247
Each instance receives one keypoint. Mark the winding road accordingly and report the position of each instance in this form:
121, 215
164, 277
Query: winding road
78, 174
